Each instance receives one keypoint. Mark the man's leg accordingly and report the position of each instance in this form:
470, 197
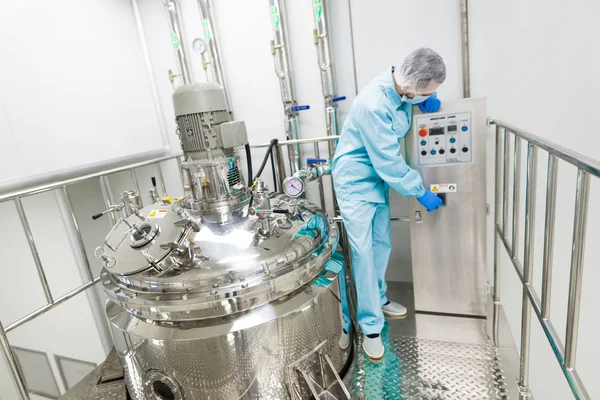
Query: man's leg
358, 217
382, 246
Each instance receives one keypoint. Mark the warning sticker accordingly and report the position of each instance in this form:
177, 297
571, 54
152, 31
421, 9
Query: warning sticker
158, 213
443, 188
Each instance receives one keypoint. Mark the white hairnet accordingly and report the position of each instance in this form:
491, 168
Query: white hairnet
418, 68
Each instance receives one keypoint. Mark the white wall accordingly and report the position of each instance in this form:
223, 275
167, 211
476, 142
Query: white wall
73, 84
540, 78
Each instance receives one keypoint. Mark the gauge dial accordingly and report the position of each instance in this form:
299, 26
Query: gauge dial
293, 186
199, 46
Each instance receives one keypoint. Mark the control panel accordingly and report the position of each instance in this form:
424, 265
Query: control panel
443, 139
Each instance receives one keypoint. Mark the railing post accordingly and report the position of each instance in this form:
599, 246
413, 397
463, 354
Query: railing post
320, 180
77, 231
136, 183
549, 235
33, 248
505, 185
497, 216
162, 179
528, 267
577, 251
106, 196
16, 373
516, 196
281, 174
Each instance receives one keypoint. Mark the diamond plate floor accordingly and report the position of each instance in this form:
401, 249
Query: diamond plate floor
429, 361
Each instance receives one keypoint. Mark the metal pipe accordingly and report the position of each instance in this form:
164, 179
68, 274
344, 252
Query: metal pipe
136, 183
161, 177
528, 265
107, 199
48, 307
464, 30
44, 187
16, 373
297, 141
178, 40
33, 248
160, 115
281, 174
320, 181
212, 43
497, 217
585, 163
549, 235
353, 47
505, 187
283, 69
80, 244
575, 281
516, 196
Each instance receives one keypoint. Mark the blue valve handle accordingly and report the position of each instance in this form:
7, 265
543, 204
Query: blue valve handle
340, 98
312, 161
300, 108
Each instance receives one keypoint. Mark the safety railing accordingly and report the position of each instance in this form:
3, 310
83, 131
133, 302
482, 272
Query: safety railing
586, 167
51, 301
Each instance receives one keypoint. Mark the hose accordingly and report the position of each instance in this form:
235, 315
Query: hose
266, 157
249, 160
274, 174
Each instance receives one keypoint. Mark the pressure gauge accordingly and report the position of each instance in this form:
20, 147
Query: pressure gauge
293, 186
199, 46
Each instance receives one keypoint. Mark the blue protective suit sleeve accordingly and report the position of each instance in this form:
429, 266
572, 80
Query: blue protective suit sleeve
383, 147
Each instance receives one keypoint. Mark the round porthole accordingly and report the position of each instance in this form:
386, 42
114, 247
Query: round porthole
160, 386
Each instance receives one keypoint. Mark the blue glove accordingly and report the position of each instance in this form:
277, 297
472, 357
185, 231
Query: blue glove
431, 105
430, 201
319, 223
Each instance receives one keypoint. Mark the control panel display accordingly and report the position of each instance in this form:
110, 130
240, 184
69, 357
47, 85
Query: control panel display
443, 138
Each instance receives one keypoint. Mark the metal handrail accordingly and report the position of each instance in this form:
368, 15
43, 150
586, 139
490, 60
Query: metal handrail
565, 354
16, 196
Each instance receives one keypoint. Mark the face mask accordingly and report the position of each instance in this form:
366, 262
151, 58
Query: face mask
414, 100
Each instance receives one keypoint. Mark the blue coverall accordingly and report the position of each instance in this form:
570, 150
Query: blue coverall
367, 162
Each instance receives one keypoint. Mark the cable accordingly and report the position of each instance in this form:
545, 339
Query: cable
264, 161
249, 160
274, 175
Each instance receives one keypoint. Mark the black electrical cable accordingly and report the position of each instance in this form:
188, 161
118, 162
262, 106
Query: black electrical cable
249, 160
274, 174
264, 161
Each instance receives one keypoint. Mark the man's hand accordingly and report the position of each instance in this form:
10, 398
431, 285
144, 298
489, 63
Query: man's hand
431, 105
430, 201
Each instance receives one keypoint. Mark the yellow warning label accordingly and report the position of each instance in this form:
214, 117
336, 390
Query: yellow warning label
434, 189
158, 213
152, 214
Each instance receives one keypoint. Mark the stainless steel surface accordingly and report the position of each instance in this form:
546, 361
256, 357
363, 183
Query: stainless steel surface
585, 163
528, 265
161, 178
212, 41
178, 40
448, 268
136, 184
281, 174
565, 355
464, 30
550, 215
516, 196
576, 278
283, 69
320, 181
416, 369
9, 356
245, 356
50, 184
33, 248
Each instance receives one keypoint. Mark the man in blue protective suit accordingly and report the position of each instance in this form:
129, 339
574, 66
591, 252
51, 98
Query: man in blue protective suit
367, 162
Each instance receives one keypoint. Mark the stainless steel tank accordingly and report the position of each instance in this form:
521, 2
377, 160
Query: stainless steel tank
218, 296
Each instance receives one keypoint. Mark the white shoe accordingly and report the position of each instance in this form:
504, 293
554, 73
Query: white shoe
373, 348
344, 341
394, 310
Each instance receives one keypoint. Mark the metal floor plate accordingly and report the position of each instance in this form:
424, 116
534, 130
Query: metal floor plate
421, 369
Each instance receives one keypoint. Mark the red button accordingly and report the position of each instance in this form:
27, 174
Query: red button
423, 132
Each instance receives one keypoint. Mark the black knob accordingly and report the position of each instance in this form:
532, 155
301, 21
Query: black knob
442, 151
465, 149
452, 150
95, 217
153, 181
423, 153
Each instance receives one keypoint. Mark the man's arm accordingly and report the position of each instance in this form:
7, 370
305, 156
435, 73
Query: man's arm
383, 148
